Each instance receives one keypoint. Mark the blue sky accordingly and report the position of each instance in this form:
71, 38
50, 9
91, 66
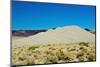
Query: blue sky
36, 15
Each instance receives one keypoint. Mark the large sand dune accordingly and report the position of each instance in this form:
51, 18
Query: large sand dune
67, 34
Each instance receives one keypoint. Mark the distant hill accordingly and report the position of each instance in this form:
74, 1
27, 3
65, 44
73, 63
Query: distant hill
91, 31
25, 33
87, 29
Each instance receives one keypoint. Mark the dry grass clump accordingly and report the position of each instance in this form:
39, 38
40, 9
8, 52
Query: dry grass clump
53, 53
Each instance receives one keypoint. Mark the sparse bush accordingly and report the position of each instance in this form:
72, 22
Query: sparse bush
83, 44
53, 59
32, 47
52, 53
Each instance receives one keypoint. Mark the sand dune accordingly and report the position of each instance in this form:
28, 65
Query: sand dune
67, 34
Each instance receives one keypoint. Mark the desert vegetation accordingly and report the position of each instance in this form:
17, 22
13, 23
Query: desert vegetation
53, 53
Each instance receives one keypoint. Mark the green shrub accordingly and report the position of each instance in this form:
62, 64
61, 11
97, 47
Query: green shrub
33, 47
91, 58
83, 44
53, 59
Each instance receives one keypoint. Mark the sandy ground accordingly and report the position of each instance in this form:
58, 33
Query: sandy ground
67, 34
67, 44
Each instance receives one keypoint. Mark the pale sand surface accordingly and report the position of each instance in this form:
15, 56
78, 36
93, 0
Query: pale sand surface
67, 34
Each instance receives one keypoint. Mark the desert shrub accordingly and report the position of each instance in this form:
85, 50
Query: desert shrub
61, 55
83, 44
53, 58
81, 59
91, 58
32, 47
20, 58
52, 53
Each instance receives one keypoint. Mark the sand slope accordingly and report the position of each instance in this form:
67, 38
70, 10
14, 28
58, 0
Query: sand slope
67, 34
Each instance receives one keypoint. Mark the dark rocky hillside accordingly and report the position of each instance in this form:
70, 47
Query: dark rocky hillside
26, 32
91, 31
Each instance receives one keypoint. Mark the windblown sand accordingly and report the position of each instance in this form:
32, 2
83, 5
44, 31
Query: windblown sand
67, 34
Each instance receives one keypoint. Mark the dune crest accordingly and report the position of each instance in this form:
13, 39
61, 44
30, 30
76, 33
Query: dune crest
66, 34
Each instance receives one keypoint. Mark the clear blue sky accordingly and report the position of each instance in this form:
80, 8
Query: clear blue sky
35, 15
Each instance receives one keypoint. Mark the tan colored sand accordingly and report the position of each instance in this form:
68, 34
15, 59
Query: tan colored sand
67, 34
